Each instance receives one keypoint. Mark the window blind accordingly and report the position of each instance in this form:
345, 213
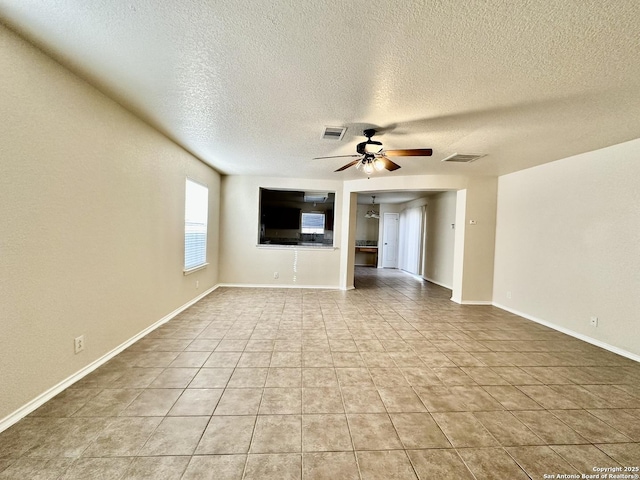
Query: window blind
195, 224
312, 223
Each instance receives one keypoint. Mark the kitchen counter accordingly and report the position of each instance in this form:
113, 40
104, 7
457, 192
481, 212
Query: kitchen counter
367, 255
306, 245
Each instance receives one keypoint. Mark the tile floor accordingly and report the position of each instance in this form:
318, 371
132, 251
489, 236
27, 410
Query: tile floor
388, 381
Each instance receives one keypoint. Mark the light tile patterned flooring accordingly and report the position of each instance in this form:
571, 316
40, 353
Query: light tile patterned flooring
388, 381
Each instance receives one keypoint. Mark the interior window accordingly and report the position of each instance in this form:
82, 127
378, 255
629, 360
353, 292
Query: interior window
292, 217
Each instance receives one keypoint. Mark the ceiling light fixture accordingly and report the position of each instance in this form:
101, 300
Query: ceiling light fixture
370, 164
373, 213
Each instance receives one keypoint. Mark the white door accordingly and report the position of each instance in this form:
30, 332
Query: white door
390, 241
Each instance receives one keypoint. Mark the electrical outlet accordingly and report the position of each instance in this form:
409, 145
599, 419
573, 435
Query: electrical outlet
509, 294
78, 344
593, 321
276, 275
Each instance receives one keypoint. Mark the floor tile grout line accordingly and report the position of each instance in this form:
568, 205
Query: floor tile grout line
346, 416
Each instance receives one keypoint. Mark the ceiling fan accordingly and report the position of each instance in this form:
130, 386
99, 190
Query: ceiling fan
371, 156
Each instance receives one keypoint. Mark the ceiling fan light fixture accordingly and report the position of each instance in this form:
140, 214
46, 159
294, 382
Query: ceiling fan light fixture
378, 164
368, 167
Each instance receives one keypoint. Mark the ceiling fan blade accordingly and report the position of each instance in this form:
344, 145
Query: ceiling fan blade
416, 152
344, 167
388, 164
338, 156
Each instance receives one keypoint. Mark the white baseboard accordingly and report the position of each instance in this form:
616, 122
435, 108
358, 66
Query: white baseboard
471, 302
267, 285
579, 336
44, 397
474, 302
440, 284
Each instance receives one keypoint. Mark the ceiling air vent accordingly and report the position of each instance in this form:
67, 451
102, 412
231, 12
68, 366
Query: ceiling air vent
462, 158
333, 133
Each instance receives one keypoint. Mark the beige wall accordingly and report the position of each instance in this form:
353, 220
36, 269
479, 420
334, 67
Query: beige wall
568, 244
478, 214
245, 263
441, 213
91, 224
347, 240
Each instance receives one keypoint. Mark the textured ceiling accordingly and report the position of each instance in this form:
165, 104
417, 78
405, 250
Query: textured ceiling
248, 85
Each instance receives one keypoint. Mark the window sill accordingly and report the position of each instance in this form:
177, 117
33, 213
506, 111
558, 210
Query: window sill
276, 246
194, 269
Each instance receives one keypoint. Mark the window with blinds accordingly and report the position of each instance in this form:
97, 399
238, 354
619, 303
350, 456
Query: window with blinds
196, 211
312, 223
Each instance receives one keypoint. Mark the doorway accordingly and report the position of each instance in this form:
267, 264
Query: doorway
426, 249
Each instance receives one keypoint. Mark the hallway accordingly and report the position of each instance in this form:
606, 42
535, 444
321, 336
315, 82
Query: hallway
390, 380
